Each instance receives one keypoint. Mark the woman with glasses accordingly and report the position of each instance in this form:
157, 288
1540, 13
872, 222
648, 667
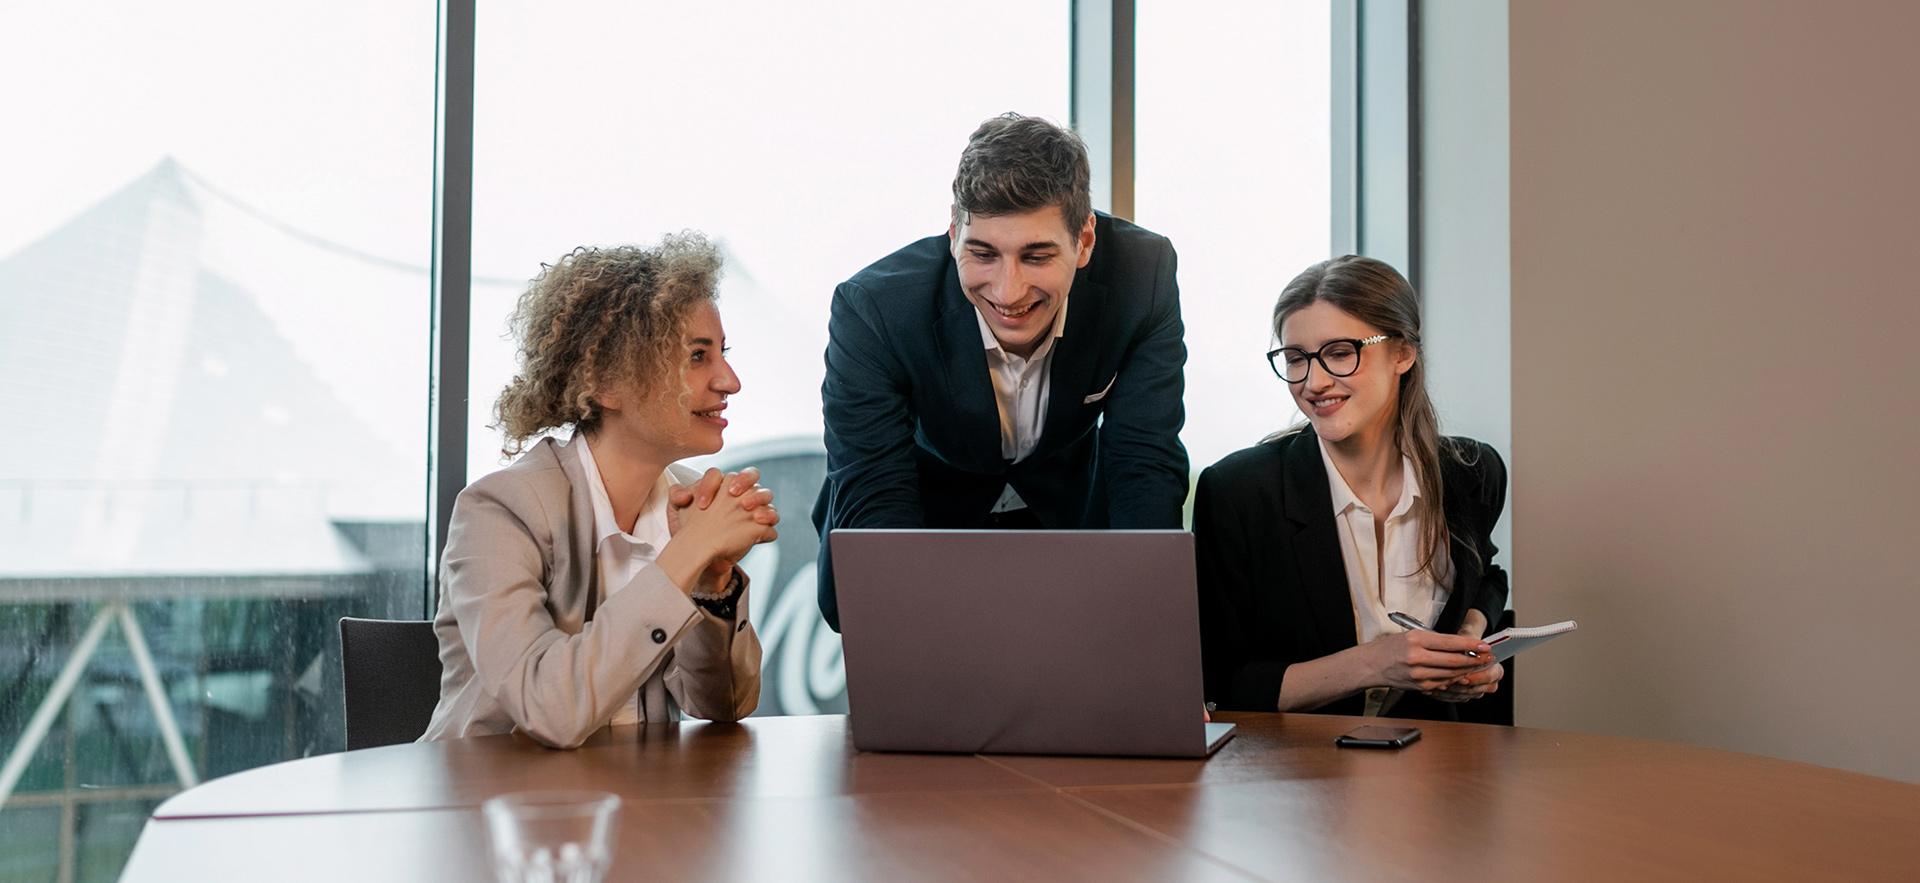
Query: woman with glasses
1308, 541
593, 581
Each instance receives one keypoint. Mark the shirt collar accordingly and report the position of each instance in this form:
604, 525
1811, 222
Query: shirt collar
992, 343
649, 529
1344, 498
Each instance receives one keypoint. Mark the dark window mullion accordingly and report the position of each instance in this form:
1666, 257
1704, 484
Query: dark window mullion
452, 277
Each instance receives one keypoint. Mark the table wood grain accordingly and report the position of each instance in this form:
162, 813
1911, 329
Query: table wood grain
759, 758
955, 835
789, 799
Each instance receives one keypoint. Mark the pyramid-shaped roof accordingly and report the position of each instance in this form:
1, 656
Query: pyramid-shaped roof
161, 422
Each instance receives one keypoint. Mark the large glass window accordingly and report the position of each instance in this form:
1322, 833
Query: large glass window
809, 140
1233, 107
214, 310
213, 353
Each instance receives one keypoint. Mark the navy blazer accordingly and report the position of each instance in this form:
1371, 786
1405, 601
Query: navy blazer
1273, 587
913, 430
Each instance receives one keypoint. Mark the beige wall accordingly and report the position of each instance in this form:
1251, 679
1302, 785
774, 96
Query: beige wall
1716, 342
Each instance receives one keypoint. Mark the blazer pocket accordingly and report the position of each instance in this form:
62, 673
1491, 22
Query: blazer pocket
1102, 393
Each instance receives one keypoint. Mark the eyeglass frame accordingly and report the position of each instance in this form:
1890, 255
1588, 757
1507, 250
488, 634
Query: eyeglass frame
1359, 350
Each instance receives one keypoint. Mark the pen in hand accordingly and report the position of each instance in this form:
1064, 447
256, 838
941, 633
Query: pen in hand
1413, 625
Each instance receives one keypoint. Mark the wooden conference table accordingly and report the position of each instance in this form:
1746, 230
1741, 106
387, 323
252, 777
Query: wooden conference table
789, 799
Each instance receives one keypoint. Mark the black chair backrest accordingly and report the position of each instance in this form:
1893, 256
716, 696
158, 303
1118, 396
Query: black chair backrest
392, 679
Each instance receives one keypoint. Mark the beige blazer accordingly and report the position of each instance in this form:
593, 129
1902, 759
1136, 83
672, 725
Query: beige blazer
528, 644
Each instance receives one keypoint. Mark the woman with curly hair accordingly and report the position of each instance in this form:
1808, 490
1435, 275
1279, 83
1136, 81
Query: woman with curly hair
593, 581
1308, 542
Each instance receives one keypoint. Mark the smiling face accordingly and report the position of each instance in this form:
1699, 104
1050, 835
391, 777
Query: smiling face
1363, 405
1016, 269
678, 421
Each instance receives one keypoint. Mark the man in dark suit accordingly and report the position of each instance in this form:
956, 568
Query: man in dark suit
961, 390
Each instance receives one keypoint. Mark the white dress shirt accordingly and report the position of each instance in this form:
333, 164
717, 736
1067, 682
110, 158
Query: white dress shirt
1020, 388
1381, 580
621, 555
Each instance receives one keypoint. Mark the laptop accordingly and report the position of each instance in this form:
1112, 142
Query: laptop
1023, 642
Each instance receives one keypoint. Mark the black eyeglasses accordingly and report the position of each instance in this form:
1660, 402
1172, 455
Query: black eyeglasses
1339, 358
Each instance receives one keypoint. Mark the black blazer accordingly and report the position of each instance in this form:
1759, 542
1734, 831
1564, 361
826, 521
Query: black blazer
1273, 587
913, 431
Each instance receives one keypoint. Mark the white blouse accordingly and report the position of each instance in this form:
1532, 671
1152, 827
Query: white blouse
1381, 580
621, 555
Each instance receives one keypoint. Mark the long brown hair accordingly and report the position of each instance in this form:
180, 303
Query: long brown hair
1375, 293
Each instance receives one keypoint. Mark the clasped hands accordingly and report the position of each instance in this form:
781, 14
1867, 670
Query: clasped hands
726, 515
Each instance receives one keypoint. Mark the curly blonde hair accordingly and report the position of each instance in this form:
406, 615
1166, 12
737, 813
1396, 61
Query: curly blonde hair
599, 319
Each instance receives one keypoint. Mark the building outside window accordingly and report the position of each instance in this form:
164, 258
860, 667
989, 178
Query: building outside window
213, 279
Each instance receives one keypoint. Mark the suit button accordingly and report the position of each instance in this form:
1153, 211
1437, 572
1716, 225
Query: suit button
659, 636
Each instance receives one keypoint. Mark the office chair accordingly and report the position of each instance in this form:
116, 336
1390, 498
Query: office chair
391, 672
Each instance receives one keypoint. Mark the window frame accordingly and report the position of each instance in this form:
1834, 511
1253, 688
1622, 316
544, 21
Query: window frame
1375, 170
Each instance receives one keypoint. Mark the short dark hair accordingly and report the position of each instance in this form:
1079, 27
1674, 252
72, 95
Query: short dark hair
1016, 163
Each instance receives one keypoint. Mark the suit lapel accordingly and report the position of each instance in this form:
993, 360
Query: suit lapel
963, 364
1466, 584
1075, 357
584, 570
1316, 541
1466, 565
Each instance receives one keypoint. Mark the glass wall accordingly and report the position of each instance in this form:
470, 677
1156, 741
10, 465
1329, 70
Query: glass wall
1233, 105
215, 312
213, 268
809, 140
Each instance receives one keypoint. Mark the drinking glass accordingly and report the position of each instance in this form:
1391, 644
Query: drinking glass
552, 836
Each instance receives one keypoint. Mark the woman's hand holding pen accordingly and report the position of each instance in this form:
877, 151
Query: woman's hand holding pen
1480, 683
1427, 661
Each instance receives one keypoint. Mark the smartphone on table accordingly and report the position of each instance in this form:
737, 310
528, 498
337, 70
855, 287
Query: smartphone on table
1378, 737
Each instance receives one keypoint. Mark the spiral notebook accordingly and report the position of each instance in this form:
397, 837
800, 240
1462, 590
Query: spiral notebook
1509, 642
